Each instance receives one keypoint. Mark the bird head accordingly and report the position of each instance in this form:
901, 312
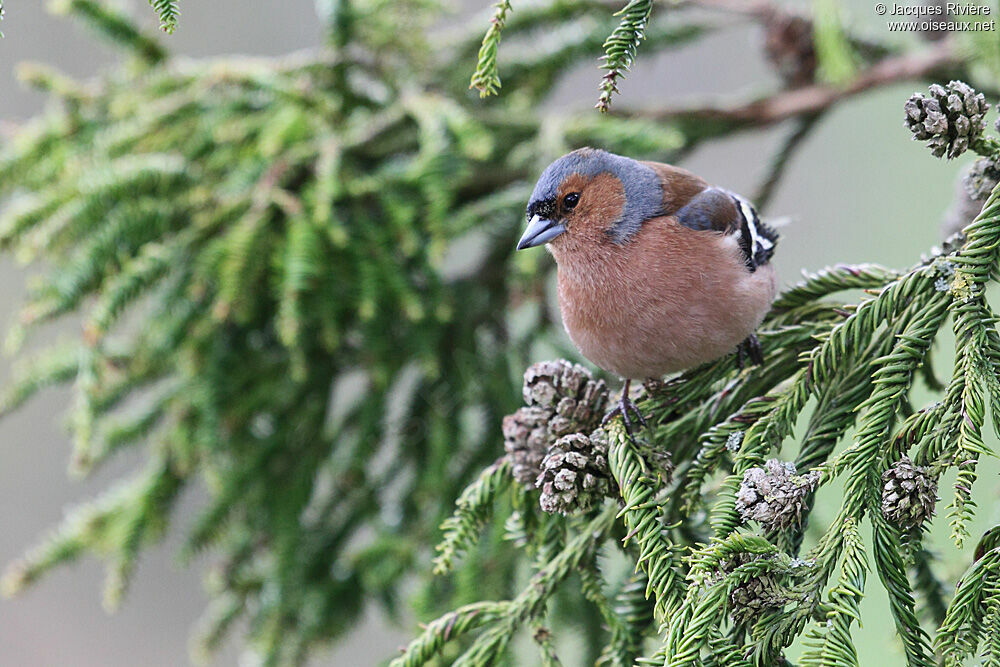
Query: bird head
594, 196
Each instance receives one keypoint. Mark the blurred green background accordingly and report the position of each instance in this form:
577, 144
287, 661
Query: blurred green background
858, 191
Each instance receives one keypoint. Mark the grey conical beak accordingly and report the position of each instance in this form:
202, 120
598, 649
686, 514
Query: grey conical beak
539, 231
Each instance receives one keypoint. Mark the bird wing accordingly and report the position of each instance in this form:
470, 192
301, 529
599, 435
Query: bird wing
715, 209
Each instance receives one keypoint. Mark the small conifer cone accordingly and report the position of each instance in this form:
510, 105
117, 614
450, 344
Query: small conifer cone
575, 475
755, 596
526, 438
948, 118
563, 399
774, 495
981, 178
909, 494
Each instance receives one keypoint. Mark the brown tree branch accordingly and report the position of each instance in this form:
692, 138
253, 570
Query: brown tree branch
710, 120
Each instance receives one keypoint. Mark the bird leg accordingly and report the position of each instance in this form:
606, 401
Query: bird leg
626, 405
749, 349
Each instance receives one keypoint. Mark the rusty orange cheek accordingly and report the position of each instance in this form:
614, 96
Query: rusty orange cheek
602, 199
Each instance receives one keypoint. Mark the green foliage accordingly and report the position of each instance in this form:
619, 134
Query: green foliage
621, 47
114, 26
501, 620
168, 12
830, 645
228, 298
486, 79
472, 509
833, 48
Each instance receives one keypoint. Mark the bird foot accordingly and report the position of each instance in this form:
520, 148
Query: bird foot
749, 349
624, 407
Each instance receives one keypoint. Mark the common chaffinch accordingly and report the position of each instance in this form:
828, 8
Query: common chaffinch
657, 270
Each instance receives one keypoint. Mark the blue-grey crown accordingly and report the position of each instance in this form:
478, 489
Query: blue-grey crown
643, 191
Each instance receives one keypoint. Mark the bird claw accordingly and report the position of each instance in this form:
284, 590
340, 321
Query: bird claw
749, 349
624, 407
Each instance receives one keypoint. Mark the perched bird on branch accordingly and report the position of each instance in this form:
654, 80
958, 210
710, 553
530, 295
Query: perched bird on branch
658, 271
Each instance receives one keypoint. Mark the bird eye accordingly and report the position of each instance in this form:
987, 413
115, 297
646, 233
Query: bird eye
571, 200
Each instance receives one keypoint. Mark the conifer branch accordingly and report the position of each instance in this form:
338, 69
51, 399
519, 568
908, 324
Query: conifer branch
508, 616
116, 27
642, 517
828, 642
472, 511
168, 13
486, 78
621, 47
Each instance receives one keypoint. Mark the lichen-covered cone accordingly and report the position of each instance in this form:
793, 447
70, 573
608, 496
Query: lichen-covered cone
981, 178
753, 596
774, 496
576, 399
546, 382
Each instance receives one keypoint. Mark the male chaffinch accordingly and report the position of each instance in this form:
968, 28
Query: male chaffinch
657, 270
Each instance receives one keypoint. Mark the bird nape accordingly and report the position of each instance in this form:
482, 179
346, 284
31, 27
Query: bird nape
657, 270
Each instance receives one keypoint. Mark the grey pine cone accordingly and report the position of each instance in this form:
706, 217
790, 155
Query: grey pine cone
773, 496
526, 438
562, 398
569, 390
947, 118
909, 494
574, 474
755, 596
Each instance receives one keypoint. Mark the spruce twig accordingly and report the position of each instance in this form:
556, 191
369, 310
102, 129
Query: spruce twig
168, 13
486, 78
621, 48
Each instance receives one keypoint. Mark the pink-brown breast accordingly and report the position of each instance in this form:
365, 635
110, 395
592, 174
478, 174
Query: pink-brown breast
669, 299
